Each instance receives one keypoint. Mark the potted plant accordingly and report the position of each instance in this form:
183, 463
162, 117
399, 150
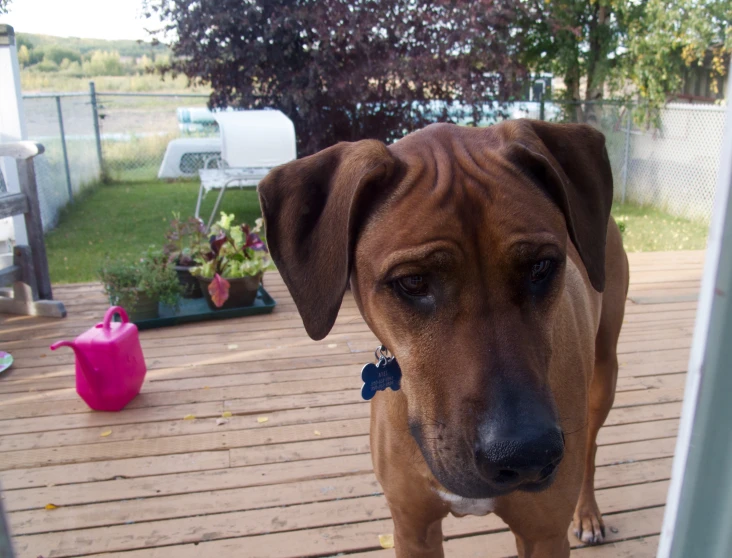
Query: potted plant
185, 240
231, 271
139, 286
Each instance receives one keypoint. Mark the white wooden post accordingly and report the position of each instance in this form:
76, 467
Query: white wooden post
12, 118
699, 505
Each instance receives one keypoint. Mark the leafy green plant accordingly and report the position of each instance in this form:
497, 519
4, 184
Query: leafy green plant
236, 251
121, 280
152, 275
185, 240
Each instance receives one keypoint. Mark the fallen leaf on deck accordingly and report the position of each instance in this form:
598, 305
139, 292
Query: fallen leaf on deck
221, 421
260, 420
206, 387
51, 506
386, 541
232, 346
316, 432
226, 414
105, 433
189, 417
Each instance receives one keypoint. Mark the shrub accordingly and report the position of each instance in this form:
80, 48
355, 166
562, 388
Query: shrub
151, 275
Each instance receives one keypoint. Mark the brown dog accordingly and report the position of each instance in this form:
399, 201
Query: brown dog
486, 261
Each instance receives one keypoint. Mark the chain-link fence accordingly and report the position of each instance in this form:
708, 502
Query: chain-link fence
672, 167
64, 124
136, 130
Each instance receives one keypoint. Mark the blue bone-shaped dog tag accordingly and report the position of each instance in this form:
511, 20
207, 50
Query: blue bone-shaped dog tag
377, 377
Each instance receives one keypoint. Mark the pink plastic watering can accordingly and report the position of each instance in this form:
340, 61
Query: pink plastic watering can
110, 367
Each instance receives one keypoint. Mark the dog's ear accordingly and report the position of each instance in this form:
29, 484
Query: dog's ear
570, 162
312, 210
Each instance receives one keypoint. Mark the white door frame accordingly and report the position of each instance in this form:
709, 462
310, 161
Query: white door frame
698, 517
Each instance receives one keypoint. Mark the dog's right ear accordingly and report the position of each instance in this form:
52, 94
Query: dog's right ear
312, 210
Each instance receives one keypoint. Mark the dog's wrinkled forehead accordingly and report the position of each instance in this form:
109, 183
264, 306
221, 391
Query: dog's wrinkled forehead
454, 171
445, 156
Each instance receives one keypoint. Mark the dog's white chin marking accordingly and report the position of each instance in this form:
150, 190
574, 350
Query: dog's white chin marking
466, 506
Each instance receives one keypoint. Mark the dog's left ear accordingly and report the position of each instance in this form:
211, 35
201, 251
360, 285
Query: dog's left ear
570, 162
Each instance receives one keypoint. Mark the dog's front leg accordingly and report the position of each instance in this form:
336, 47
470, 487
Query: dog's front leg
417, 530
554, 547
415, 507
540, 521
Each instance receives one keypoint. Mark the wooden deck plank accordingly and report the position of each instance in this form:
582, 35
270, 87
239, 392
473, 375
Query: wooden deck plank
216, 526
328, 461
240, 387
301, 483
217, 438
32, 405
241, 499
328, 541
75, 429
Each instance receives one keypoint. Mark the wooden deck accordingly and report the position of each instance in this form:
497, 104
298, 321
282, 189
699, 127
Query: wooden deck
289, 475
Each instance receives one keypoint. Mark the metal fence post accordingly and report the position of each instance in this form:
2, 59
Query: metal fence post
626, 159
63, 148
97, 135
541, 105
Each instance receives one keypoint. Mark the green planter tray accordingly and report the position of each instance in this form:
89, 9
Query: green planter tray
196, 310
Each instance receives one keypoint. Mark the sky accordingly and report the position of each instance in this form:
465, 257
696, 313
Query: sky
92, 19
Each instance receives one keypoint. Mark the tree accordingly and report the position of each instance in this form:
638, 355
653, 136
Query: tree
4, 6
604, 45
27, 53
347, 69
58, 54
23, 56
579, 40
673, 36
102, 63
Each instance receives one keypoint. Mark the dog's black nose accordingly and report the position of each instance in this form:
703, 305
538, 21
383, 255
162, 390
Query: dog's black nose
527, 457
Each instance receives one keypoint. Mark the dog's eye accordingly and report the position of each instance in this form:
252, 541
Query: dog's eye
412, 285
541, 270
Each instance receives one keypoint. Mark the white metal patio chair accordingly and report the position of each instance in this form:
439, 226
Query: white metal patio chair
252, 143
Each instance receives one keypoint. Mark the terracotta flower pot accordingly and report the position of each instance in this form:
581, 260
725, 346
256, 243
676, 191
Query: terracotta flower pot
242, 291
190, 284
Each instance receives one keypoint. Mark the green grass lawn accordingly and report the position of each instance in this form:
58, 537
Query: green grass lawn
121, 220
651, 230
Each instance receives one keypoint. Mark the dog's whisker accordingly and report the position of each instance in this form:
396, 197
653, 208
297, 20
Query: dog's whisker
580, 429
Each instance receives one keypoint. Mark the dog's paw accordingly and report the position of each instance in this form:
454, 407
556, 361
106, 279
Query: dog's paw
588, 525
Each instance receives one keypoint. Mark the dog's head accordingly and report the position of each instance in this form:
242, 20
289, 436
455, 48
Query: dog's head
455, 241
